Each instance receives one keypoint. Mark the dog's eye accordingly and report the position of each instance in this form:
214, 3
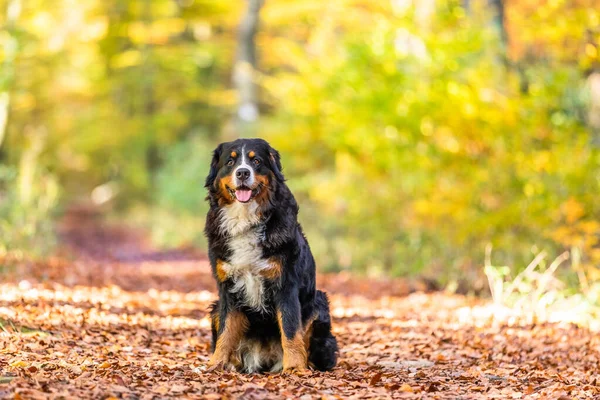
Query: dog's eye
256, 161
229, 163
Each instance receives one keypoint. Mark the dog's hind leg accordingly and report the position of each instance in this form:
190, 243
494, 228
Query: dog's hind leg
323, 348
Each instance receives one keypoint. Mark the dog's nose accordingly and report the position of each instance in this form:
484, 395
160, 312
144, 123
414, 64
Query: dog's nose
242, 174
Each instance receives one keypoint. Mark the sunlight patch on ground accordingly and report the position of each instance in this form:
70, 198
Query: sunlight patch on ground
495, 314
53, 305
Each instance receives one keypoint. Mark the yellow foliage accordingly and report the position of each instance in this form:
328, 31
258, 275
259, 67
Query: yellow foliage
572, 210
407, 132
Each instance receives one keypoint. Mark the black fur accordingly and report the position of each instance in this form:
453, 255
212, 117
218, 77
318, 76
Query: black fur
212, 174
322, 353
293, 292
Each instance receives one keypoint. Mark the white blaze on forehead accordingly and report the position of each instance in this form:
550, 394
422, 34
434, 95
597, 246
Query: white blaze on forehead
244, 164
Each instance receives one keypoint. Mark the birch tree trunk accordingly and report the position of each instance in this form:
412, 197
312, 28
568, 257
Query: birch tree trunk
244, 71
7, 71
593, 82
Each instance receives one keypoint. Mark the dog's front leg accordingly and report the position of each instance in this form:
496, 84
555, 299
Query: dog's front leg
292, 334
231, 329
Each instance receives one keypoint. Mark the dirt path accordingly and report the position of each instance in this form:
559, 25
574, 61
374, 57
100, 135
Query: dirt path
119, 320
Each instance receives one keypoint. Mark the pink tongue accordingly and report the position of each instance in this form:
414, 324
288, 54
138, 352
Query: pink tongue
243, 195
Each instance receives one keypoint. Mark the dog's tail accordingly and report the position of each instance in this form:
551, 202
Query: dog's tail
323, 348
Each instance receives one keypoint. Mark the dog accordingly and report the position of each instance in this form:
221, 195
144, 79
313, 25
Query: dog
269, 316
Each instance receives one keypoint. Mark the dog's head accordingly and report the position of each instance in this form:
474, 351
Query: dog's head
244, 170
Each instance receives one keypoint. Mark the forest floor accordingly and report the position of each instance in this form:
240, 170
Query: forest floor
112, 318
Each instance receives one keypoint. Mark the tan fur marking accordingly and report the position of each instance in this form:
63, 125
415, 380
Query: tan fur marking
221, 273
295, 356
308, 329
251, 154
216, 321
224, 196
263, 179
273, 272
265, 190
233, 154
236, 326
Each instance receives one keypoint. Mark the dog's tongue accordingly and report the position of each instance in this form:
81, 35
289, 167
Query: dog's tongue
243, 195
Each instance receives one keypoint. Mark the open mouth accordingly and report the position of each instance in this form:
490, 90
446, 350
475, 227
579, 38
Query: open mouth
244, 194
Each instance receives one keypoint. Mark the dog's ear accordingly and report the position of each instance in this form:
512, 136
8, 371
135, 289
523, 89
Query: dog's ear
275, 162
214, 166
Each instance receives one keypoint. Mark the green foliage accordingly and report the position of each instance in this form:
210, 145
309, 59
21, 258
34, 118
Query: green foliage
423, 147
412, 136
26, 213
179, 209
113, 83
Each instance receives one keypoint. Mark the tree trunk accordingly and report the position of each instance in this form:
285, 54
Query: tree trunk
466, 4
424, 12
149, 106
593, 86
244, 70
13, 11
593, 82
498, 20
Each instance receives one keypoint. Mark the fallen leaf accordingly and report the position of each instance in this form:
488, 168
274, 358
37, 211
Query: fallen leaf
406, 388
161, 389
19, 364
141, 328
376, 379
179, 389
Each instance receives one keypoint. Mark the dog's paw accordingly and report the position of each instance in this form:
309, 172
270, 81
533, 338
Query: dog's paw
295, 370
215, 366
218, 362
221, 364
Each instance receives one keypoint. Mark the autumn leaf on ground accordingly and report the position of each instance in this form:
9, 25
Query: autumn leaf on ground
141, 334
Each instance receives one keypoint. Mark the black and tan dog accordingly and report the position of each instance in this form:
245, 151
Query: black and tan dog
269, 315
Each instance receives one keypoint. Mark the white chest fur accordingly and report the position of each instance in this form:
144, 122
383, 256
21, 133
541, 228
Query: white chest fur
238, 217
246, 262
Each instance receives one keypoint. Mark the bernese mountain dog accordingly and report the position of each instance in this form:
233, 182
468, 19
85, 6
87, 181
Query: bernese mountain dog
269, 316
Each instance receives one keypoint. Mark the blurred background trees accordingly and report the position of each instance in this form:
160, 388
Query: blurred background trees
414, 133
